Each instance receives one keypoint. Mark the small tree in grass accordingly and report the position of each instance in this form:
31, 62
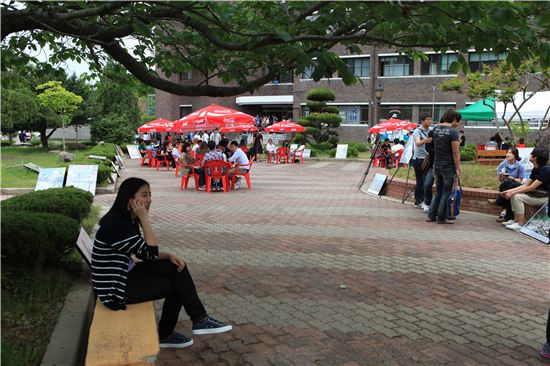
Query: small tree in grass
58, 100
321, 118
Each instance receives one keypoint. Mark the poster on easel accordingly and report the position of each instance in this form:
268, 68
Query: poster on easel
84, 246
133, 151
119, 161
83, 177
537, 227
50, 178
377, 184
306, 154
407, 152
341, 151
119, 151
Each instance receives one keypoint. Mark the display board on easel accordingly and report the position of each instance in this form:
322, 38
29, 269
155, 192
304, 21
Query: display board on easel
341, 151
50, 178
133, 151
83, 177
377, 184
537, 227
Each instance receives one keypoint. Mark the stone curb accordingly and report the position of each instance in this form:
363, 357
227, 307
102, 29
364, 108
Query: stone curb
67, 346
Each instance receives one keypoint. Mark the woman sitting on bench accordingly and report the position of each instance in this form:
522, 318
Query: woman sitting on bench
118, 280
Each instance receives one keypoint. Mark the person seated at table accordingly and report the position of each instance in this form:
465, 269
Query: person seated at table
397, 146
153, 148
196, 145
224, 147
187, 158
176, 153
165, 152
203, 148
244, 149
126, 232
510, 174
298, 149
492, 144
271, 147
142, 147
384, 152
238, 157
212, 154
534, 192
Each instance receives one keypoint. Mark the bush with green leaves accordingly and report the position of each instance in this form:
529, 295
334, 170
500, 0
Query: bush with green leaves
29, 239
352, 152
69, 201
321, 118
103, 173
468, 152
112, 128
320, 95
35, 142
5, 143
106, 149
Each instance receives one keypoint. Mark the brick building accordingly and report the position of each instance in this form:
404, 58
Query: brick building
410, 87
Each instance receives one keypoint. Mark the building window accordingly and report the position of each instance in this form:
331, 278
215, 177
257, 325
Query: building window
187, 75
476, 60
151, 104
353, 114
438, 64
438, 110
308, 71
396, 66
285, 78
185, 110
359, 66
403, 112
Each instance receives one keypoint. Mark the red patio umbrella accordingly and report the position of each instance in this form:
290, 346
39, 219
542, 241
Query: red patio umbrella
239, 128
392, 124
211, 117
157, 125
285, 126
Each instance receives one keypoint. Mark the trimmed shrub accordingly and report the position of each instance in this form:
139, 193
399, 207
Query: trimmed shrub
315, 106
312, 131
468, 152
36, 143
5, 143
303, 122
321, 146
352, 152
69, 201
103, 173
332, 109
320, 94
31, 238
299, 139
107, 150
112, 128
333, 140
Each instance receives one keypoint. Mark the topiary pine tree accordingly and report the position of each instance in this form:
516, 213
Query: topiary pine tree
321, 118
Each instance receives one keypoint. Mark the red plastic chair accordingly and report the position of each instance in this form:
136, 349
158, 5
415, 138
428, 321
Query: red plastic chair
379, 162
152, 161
198, 159
298, 155
245, 175
481, 146
185, 178
396, 157
282, 153
164, 161
520, 145
214, 169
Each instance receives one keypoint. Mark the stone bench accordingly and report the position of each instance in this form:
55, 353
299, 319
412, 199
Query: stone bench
123, 337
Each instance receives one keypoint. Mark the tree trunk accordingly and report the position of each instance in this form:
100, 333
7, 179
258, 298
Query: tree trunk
43, 138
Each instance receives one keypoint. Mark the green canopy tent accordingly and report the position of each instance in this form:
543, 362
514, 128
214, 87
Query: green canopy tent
479, 110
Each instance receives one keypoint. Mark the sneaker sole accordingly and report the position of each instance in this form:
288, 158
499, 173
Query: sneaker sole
545, 355
176, 345
227, 328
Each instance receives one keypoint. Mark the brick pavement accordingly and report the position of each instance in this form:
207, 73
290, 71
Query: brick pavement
310, 271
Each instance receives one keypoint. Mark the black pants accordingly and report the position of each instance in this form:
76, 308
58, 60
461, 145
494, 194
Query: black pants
154, 280
419, 187
505, 203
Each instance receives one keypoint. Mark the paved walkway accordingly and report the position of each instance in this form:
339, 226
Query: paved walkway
310, 271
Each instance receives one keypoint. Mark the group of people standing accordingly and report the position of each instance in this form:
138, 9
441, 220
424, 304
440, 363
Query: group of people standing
436, 158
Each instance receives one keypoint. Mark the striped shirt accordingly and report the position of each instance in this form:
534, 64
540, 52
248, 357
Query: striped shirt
115, 242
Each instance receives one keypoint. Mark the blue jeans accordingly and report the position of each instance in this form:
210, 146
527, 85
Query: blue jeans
428, 183
444, 175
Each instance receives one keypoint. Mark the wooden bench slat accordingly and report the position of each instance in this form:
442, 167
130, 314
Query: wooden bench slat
126, 337
490, 157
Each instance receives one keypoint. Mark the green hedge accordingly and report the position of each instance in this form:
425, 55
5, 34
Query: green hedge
29, 239
36, 142
320, 94
103, 173
468, 152
69, 201
5, 143
107, 150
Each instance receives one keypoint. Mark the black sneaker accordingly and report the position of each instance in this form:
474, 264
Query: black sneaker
208, 325
175, 340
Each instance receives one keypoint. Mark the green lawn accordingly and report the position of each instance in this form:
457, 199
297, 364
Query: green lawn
473, 175
13, 159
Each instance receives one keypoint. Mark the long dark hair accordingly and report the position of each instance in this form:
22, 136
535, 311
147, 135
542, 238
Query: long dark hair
515, 152
127, 190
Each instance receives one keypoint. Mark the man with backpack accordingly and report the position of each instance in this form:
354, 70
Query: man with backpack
446, 166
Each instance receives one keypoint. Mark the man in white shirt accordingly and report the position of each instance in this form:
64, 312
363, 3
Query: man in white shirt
238, 157
205, 137
216, 136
